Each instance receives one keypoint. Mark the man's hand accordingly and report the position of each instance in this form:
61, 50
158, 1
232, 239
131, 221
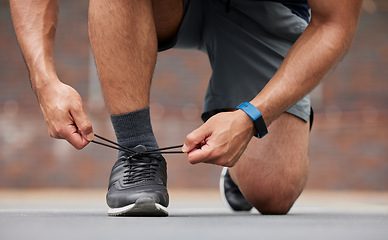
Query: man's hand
35, 25
64, 115
221, 140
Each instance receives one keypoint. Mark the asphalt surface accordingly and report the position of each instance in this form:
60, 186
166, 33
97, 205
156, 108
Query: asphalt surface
82, 214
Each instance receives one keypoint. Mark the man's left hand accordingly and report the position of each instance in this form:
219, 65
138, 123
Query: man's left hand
221, 140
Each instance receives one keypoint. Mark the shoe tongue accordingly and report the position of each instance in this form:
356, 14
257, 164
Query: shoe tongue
140, 148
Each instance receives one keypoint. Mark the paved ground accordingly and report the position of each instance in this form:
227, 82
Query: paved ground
71, 214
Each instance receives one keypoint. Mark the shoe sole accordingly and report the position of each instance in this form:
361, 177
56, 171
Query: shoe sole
143, 207
223, 195
222, 188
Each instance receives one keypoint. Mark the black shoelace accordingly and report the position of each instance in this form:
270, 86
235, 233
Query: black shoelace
139, 165
140, 168
131, 151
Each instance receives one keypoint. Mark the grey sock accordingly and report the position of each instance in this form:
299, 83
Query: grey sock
134, 128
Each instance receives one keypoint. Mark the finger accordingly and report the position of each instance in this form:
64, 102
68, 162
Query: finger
82, 124
195, 138
66, 129
198, 155
71, 134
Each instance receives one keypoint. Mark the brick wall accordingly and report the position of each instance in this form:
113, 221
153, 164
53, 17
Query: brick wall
349, 144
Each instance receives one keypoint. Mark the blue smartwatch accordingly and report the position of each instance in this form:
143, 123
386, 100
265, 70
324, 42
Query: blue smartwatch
256, 117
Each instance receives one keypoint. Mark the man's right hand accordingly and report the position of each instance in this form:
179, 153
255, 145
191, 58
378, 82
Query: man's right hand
64, 115
35, 25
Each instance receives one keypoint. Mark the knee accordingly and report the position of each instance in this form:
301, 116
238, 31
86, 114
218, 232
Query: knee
271, 208
275, 203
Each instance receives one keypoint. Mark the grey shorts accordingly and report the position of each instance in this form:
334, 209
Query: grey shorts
245, 47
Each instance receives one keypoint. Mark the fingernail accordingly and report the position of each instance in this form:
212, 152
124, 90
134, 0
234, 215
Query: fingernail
90, 137
184, 148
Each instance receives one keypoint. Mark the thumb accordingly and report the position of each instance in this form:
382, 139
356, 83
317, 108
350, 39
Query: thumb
83, 124
195, 139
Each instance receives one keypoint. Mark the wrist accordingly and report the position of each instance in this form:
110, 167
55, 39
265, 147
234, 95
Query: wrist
256, 117
42, 72
43, 81
246, 122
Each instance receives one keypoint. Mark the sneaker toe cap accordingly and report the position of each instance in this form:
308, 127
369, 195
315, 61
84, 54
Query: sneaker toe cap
116, 198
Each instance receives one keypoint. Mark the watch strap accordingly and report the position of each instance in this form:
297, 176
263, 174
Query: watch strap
256, 117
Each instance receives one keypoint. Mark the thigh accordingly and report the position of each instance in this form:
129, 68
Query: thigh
246, 47
168, 15
273, 170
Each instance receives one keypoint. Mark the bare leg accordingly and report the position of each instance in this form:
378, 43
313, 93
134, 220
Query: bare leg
123, 39
123, 36
273, 171
168, 16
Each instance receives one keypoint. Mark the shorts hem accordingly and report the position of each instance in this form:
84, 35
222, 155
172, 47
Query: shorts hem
294, 110
305, 116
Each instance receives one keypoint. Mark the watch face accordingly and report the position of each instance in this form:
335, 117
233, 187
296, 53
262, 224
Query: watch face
260, 127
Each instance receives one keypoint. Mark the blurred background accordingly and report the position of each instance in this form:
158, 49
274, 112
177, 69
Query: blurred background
348, 145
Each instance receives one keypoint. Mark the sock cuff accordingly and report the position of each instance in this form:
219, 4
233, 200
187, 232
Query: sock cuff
133, 125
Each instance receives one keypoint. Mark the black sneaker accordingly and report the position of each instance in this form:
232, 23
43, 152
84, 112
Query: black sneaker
137, 185
231, 194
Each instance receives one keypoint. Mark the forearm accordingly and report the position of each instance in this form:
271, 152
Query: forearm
322, 45
35, 25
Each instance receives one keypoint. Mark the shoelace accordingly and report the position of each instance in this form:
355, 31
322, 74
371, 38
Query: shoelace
131, 151
138, 168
